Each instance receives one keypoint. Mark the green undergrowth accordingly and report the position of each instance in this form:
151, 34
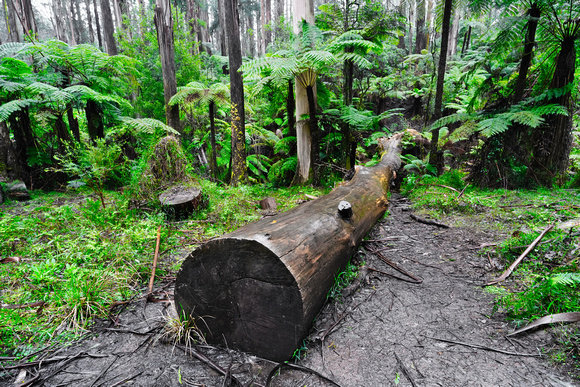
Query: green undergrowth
548, 279
77, 258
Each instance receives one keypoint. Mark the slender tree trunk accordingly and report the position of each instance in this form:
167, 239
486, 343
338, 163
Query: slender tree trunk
29, 22
278, 19
466, 40
348, 70
420, 39
290, 108
303, 10
108, 28
11, 25
454, 34
191, 16
313, 122
164, 25
534, 14
222, 27
213, 160
97, 24
73, 123
239, 167
90, 21
57, 21
204, 30
435, 156
71, 15
62, 133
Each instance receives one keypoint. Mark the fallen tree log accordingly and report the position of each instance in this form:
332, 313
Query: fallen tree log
259, 288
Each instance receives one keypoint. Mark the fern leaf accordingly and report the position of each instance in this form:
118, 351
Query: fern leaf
8, 108
566, 279
147, 125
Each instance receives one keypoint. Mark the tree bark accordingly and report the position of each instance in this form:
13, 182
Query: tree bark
28, 20
238, 163
259, 288
90, 21
454, 34
303, 10
11, 25
435, 156
97, 24
222, 27
553, 140
534, 14
70, 16
95, 125
214, 168
108, 28
10, 166
420, 39
290, 109
164, 25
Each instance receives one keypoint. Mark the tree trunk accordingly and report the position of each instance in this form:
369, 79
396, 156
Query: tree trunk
348, 70
259, 288
90, 21
454, 34
95, 124
97, 24
315, 135
214, 168
553, 140
435, 156
70, 15
534, 14
290, 108
420, 39
10, 166
73, 123
164, 25
108, 28
466, 40
28, 20
303, 10
238, 164
10, 18
222, 27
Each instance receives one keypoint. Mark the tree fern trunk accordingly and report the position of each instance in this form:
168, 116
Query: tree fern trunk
530, 41
214, 170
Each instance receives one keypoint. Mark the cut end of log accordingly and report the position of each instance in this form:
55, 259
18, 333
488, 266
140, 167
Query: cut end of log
241, 296
345, 209
180, 201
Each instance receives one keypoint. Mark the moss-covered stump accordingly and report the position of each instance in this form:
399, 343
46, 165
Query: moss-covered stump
259, 288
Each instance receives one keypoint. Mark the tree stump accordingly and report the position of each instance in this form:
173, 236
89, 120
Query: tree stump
268, 204
180, 202
259, 288
17, 191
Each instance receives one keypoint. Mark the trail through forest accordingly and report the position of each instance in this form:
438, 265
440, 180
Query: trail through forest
382, 331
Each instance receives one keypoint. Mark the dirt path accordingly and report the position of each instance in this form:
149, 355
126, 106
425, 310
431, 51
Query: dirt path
383, 331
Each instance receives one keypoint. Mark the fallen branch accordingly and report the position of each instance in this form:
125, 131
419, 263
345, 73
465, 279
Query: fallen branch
155, 260
393, 276
405, 370
462, 192
486, 348
396, 267
439, 185
520, 258
299, 368
550, 319
428, 221
201, 357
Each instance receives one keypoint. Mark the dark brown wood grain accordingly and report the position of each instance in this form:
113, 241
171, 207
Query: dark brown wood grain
259, 288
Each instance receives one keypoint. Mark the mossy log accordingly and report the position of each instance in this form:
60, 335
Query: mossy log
259, 288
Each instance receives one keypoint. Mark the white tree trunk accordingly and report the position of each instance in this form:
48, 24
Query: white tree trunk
303, 10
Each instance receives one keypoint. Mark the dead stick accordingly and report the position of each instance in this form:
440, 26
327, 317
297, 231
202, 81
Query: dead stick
155, 260
439, 185
428, 221
462, 192
520, 258
405, 370
395, 266
279, 367
484, 347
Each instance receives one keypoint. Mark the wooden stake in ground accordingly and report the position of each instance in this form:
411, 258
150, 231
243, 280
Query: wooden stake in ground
155, 260
520, 258
259, 288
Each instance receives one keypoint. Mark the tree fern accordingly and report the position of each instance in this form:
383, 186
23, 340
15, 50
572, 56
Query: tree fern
147, 125
569, 279
13, 106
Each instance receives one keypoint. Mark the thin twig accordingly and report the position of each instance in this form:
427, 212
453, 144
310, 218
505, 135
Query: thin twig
155, 260
395, 266
478, 346
296, 367
200, 356
439, 185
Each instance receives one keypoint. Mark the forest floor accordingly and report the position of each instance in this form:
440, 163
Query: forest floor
382, 331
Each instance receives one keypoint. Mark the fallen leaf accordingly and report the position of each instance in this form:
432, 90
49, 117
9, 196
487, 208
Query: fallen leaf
550, 319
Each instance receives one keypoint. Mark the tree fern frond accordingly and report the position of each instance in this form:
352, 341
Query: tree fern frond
566, 279
493, 126
147, 125
464, 131
8, 108
451, 119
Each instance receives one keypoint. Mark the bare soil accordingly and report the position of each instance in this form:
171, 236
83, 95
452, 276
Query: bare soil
383, 331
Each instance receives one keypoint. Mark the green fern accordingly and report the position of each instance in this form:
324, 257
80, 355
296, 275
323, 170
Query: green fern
568, 279
147, 125
7, 109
